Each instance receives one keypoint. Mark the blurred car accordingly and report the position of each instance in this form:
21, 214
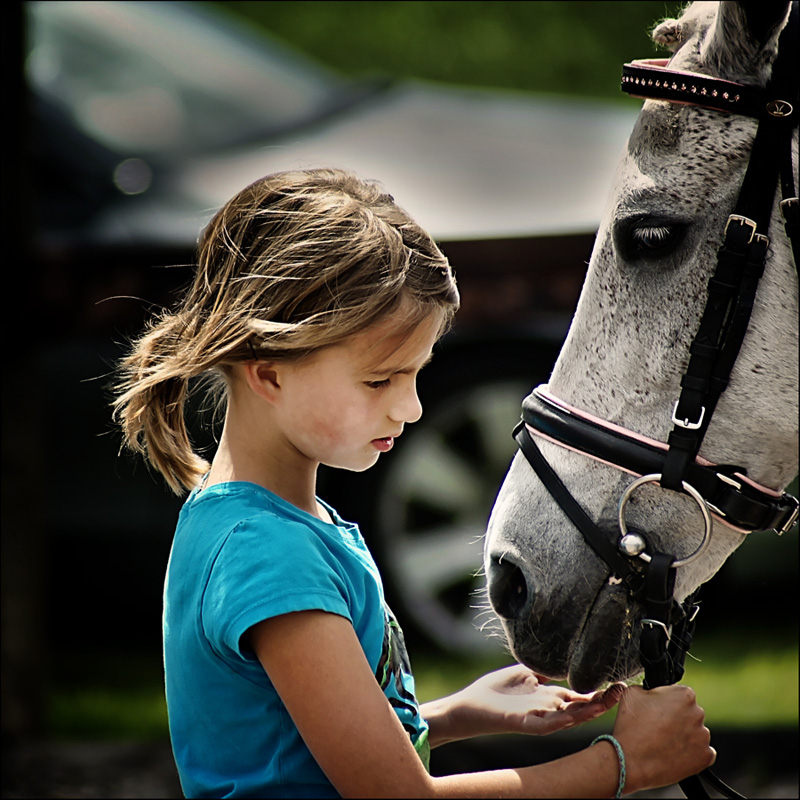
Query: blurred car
148, 116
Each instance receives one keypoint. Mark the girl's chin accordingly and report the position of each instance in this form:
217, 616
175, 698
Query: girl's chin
356, 464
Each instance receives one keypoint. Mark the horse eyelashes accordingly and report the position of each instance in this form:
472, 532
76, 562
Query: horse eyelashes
651, 238
648, 238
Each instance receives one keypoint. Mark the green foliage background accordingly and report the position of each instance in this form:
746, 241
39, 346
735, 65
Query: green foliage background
562, 46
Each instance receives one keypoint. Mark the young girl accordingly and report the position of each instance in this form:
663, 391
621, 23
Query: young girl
316, 302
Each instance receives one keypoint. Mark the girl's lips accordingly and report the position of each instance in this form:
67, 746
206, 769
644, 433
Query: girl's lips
383, 444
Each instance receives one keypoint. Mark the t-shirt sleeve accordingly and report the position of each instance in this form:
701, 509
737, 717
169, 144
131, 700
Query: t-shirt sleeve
267, 567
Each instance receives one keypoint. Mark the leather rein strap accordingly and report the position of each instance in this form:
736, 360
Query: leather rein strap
667, 626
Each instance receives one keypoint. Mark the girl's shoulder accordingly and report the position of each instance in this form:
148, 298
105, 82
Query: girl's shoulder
232, 496
224, 507
243, 510
247, 548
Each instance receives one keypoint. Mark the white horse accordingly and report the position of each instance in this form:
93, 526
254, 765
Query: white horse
564, 612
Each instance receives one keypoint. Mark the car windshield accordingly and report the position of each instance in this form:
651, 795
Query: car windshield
157, 78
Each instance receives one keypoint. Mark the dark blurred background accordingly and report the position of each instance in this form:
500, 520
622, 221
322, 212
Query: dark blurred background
498, 125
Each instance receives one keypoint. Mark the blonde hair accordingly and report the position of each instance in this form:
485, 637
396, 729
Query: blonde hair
295, 262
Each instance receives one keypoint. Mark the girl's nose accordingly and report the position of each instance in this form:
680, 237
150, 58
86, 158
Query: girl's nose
407, 407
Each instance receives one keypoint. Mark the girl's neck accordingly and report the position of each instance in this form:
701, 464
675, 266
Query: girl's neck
240, 458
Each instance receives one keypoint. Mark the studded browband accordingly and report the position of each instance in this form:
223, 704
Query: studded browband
653, 81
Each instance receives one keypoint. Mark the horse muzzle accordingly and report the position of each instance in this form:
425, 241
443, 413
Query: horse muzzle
549, 630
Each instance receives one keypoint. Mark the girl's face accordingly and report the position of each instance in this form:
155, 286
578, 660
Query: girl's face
346, 404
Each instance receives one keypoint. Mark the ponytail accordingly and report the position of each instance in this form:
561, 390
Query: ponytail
150, 406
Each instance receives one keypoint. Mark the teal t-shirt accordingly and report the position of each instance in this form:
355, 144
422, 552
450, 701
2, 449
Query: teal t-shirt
241, 555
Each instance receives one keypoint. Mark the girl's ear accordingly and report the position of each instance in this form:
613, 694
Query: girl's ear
263, 378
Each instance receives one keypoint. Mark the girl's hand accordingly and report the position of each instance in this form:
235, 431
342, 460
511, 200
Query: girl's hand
650, 725
513, 700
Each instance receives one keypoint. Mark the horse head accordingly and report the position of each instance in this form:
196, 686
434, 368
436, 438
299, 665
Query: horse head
564, 612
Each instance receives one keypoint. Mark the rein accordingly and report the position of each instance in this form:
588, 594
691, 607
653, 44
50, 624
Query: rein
723, 492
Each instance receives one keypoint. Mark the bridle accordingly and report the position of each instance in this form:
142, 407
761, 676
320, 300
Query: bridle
720, 491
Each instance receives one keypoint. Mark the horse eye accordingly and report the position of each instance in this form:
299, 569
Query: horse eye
648, 238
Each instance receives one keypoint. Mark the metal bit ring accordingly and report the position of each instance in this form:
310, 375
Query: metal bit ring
690, 490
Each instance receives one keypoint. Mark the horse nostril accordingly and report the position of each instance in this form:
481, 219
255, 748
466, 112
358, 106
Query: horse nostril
508, 589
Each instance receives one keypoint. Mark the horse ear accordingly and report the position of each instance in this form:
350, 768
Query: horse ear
764, 20
745, 36
668, 34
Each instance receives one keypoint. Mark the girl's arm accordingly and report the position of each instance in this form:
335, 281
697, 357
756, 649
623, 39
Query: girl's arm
316, 663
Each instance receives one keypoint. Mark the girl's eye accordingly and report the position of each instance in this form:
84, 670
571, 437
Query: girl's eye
377, 384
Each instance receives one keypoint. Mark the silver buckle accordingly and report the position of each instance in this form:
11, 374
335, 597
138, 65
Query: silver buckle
691, 426
730, 481
742, 221
653, 622
792, 519
787, 204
